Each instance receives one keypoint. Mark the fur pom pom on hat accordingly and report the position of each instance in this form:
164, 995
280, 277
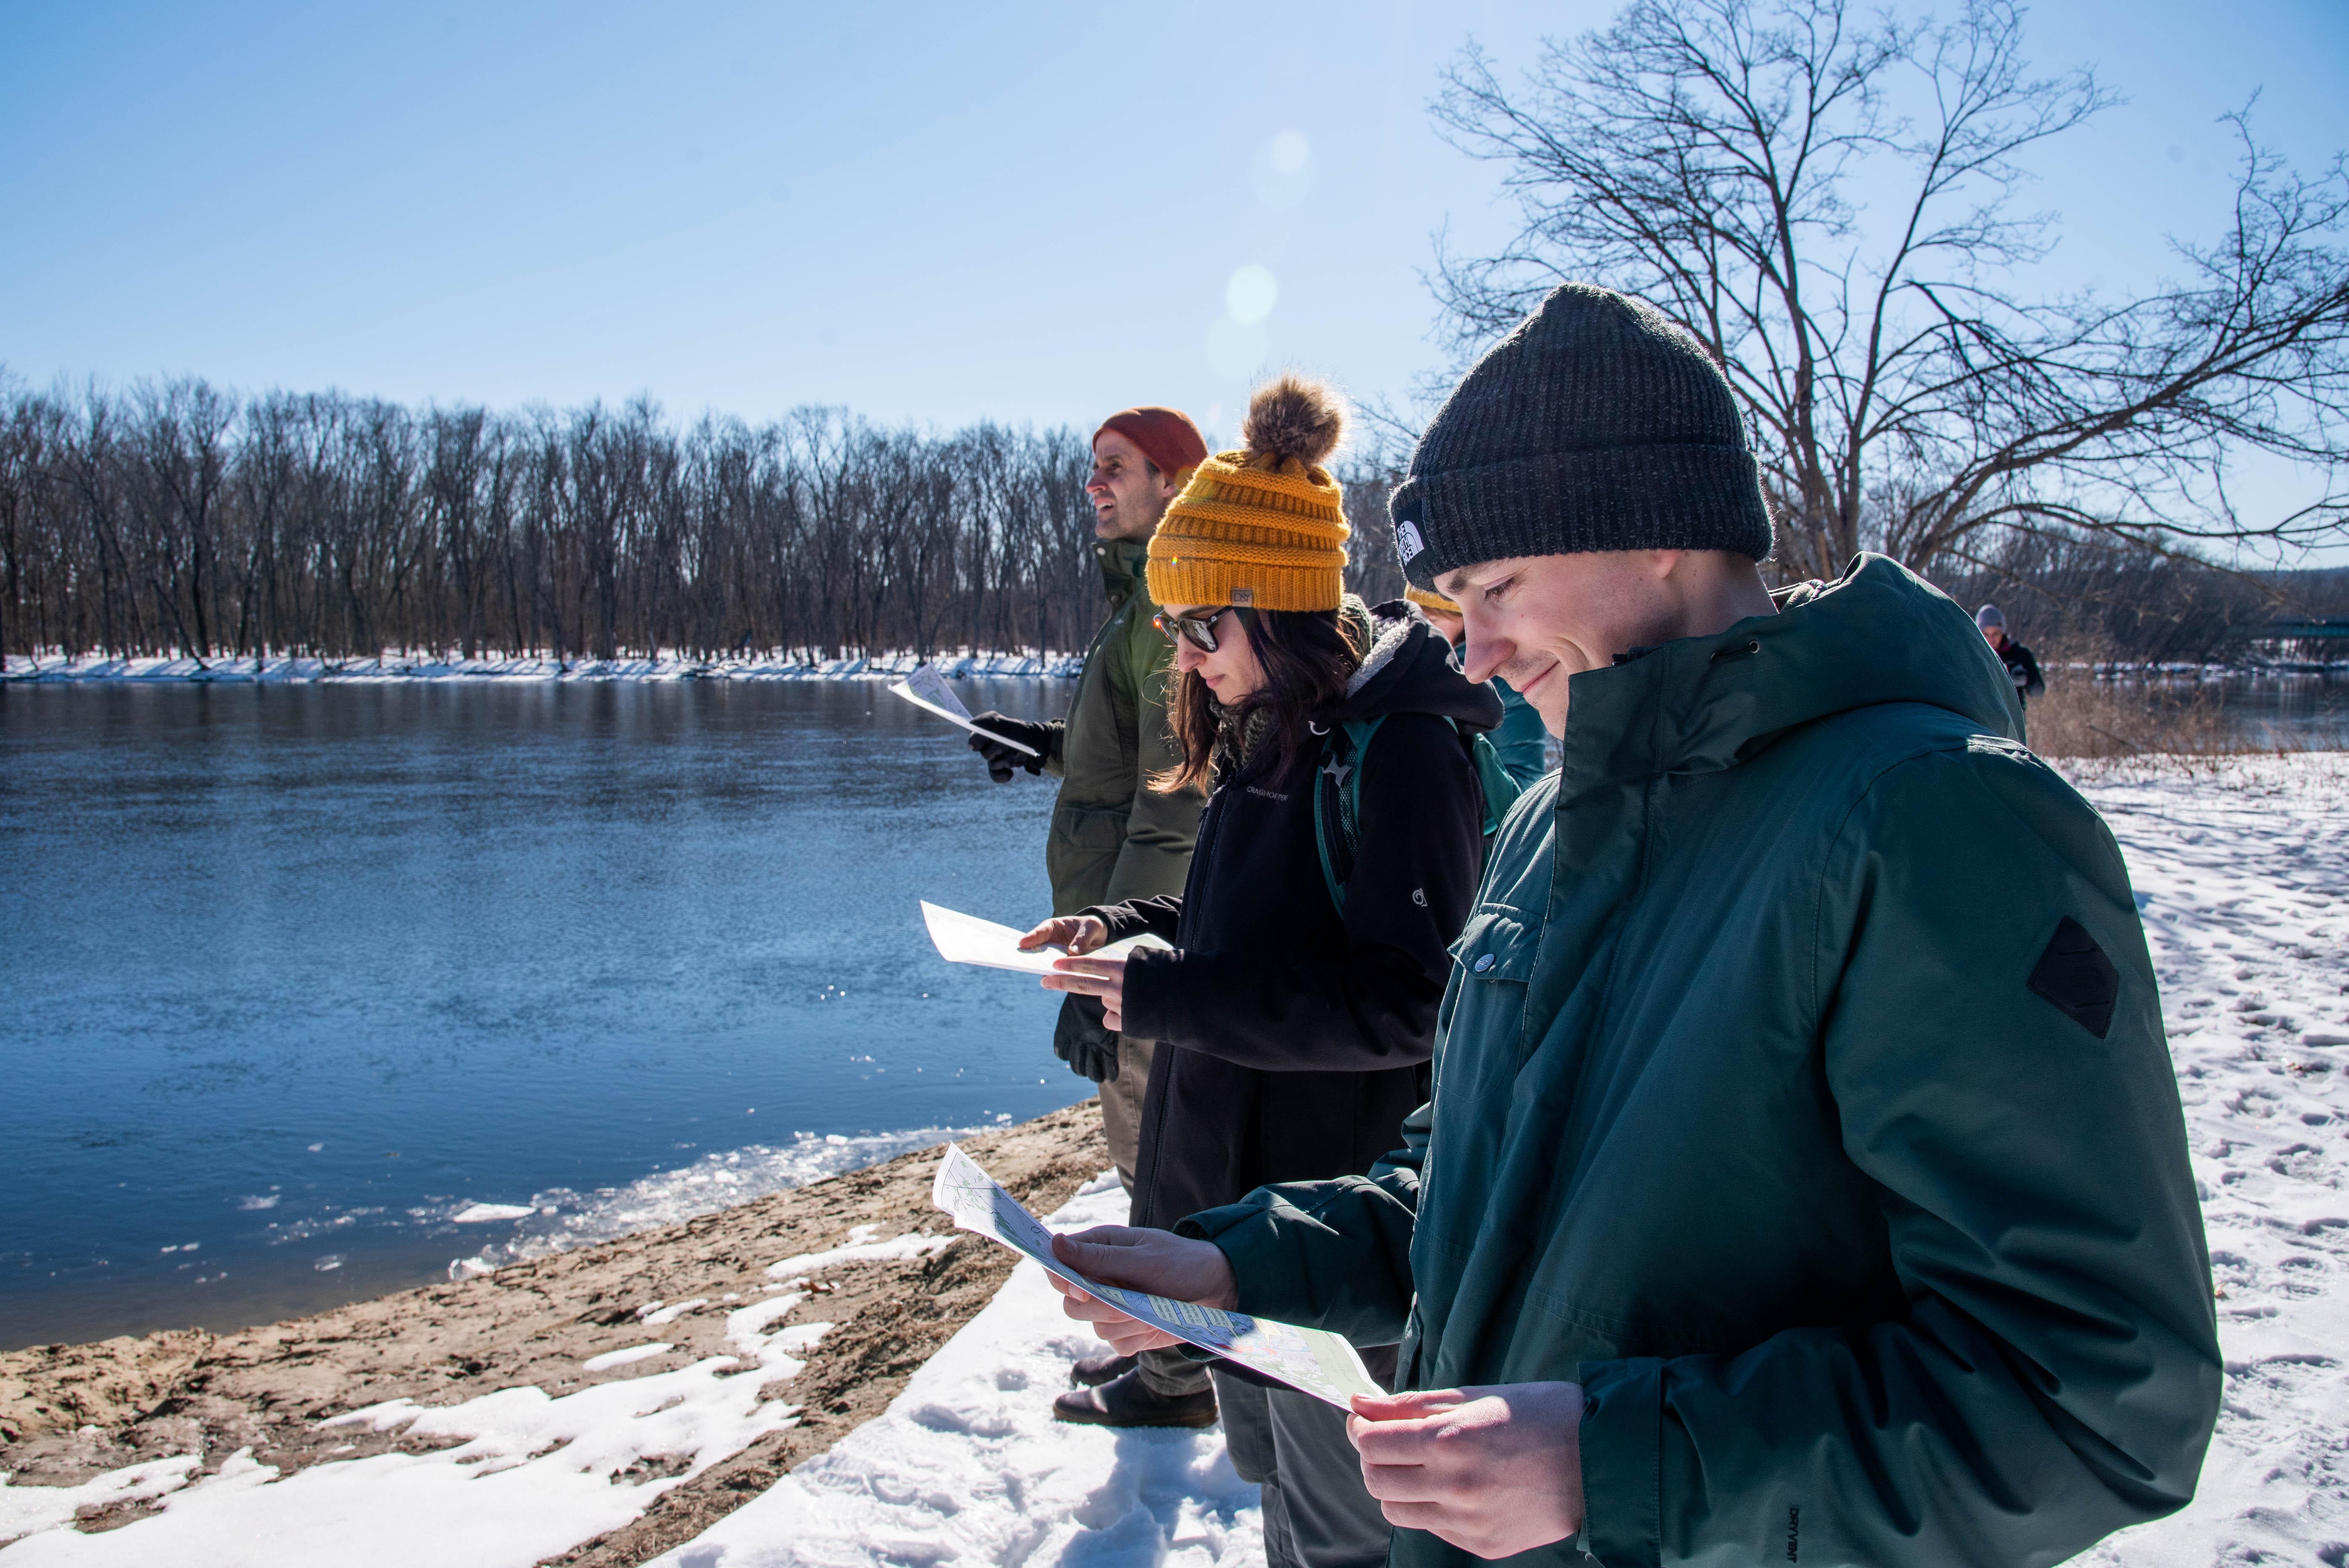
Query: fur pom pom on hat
1265, 525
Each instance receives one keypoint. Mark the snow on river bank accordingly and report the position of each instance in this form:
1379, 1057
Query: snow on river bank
2242, 872
966, 1463
431, 666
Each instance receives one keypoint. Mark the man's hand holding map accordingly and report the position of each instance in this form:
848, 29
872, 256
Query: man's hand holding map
1309, 1359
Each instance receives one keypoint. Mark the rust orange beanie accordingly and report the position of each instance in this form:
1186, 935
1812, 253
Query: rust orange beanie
1264, 526
1167, 437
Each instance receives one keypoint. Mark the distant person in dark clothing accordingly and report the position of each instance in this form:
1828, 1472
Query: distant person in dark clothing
2021, 667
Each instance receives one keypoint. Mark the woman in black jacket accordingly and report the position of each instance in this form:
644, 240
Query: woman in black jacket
1296, 1008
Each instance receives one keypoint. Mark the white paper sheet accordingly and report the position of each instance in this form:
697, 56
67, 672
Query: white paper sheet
967, 939
927, 688
1311, 1360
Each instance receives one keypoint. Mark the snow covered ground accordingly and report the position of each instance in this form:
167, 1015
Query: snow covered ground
434, 666
527, 1474
968, 1465
2242, 872
2243, 875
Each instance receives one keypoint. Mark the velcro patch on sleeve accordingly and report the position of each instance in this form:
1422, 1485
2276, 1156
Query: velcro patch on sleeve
2076, 976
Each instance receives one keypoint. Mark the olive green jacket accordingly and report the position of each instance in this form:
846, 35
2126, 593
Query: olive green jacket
1113, 837
1781, 1104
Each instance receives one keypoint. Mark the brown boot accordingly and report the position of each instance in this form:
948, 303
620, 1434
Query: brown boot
1095, 1370
1125, 1402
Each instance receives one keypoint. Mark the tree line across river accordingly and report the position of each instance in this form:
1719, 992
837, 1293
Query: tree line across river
179, 518
176, 517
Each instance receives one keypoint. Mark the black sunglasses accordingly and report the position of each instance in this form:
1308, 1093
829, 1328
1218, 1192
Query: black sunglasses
1200, 629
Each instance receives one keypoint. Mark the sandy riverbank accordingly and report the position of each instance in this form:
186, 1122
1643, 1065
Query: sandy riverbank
69, 1413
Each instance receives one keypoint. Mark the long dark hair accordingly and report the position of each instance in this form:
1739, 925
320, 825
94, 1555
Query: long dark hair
1307, 656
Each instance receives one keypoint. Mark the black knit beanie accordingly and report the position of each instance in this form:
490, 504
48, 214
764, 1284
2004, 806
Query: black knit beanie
1596, 425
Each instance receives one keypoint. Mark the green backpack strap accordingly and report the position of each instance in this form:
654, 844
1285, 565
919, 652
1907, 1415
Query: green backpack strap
1338, 795
1501, 789
1337, 802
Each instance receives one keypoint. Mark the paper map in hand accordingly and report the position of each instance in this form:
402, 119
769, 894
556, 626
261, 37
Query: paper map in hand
927, 688
1309, 1360
967, 939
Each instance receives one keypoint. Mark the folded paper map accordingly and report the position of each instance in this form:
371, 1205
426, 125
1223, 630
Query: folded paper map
1311, 1360
927, 688
967, 939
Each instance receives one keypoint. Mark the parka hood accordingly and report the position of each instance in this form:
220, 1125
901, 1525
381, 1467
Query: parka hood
1410, 669
1879, 633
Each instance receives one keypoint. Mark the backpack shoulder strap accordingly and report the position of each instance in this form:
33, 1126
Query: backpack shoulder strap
1337, 803
1501, 788
1338, 796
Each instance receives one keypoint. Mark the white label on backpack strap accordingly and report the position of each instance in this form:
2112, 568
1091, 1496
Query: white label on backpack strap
1407, 539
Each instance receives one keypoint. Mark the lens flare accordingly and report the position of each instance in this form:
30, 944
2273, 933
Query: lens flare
1251, 293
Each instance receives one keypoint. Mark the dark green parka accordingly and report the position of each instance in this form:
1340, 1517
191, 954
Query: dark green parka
1113, 837
1521, 741
1781, 1104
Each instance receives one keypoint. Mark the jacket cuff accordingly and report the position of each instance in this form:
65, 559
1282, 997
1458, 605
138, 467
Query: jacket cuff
1056, 746
1621, 1451
1147, 1008
1249, 1239
1121, 919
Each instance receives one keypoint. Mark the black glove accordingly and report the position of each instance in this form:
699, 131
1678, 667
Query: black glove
1001, 759
1083, 1040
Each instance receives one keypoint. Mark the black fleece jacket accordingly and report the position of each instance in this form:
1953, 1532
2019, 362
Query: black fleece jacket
1293, 1040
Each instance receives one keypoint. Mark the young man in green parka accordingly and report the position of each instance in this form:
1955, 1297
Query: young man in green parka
1805, 1180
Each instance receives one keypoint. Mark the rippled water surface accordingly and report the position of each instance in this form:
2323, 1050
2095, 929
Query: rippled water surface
2303, 711
290, 977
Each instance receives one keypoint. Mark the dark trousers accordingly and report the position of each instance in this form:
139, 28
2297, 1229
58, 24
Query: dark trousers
1315, 1511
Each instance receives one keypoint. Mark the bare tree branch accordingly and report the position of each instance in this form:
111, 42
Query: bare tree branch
1906, 391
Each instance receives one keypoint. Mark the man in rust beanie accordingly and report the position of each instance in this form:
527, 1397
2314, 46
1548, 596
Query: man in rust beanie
1169, 446
1113, 838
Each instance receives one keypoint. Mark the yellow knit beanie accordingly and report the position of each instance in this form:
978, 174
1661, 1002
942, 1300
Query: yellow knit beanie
1264, 526
1429, 599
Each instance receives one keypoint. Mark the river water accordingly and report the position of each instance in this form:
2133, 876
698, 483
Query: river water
294, 977
2295, 711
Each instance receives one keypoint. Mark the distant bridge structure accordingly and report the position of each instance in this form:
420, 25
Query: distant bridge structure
2321, 641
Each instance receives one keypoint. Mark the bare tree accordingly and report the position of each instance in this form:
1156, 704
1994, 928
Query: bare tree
1831, 203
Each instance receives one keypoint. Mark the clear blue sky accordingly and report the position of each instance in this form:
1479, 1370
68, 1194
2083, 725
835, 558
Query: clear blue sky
926, 212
